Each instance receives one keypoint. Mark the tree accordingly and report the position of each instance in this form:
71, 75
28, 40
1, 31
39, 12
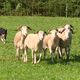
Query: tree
70, 8
7, 8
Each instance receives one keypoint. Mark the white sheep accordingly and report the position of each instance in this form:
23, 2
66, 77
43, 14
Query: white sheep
35, 43
51, 41
65, 35
19, 39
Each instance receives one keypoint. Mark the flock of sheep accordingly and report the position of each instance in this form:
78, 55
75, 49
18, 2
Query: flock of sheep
55, 40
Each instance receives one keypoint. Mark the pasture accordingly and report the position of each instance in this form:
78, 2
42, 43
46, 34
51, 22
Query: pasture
12, 69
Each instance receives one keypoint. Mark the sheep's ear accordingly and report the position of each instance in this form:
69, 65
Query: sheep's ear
63, 30
49, 31
45, 32
19, 28
37, 31
29, 28
56, 29
72, 30
72, 26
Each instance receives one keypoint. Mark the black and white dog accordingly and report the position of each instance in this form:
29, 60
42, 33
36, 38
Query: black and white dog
3, 34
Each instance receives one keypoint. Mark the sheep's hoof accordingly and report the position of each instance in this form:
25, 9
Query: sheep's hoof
22, 58
38, 61
17, 57
34, 63
67, 62
45, 58
52, 62
25, 61
4, 42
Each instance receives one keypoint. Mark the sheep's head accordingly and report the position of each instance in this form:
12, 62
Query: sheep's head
54, 32
41, 34
68, 26
24, 29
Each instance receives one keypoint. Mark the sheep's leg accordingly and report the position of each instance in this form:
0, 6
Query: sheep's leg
57, 54
67, 53
52, 58
22, 54
40, 55
60, 52
34, 58
45, 53
50, 49
25, 55
17, 53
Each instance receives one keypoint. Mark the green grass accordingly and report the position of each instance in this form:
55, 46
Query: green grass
11, 69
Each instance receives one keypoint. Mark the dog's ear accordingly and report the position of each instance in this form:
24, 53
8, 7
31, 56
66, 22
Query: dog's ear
29, 28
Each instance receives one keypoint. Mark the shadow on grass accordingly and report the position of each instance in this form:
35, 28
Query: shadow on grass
73, 59
9, 41
8, 58
61, 61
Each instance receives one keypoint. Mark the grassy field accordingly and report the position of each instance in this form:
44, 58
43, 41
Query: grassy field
11, 69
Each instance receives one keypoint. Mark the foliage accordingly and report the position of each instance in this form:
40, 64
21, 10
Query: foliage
40, 7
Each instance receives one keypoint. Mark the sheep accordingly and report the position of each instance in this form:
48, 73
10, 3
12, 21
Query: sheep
65, 35
3, 34
19, 39
35, 43
51, 41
